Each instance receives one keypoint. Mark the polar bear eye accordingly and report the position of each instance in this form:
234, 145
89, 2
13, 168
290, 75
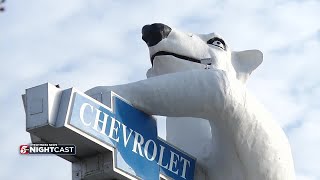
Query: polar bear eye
217, 42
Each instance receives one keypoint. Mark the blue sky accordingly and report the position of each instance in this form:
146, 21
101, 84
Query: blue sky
78, 43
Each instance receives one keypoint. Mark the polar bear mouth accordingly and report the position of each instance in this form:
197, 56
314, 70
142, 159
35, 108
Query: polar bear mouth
164, 53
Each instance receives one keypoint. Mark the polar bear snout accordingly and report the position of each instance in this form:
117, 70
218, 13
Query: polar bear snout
154, 33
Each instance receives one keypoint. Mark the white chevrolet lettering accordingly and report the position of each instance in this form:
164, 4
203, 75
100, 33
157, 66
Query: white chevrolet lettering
138, 141
83, 107
114, 129
160, 163
104, 122
146, 148
150, 149
173, 162
125, 138
184, 167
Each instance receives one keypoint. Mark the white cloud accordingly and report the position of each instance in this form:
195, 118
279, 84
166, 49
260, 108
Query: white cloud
305, 140
89, 43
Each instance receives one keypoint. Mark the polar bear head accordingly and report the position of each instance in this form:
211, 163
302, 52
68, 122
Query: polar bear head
173, 51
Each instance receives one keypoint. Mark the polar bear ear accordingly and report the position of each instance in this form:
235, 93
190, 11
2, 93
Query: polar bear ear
244, 62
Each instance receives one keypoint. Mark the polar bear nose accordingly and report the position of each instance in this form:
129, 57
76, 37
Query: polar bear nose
154, 33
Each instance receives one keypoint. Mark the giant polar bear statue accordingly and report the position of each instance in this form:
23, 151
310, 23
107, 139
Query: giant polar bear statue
199, 83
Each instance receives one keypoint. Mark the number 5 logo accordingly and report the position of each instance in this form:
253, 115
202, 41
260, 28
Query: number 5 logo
24, 149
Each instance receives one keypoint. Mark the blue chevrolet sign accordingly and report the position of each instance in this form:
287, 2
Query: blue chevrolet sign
132, 135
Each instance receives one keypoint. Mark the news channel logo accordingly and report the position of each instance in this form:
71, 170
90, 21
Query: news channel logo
57, 149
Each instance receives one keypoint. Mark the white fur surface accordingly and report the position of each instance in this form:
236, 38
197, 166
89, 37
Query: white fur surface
245, 143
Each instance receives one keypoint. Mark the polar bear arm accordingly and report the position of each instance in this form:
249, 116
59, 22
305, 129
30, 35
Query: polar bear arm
192, 93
